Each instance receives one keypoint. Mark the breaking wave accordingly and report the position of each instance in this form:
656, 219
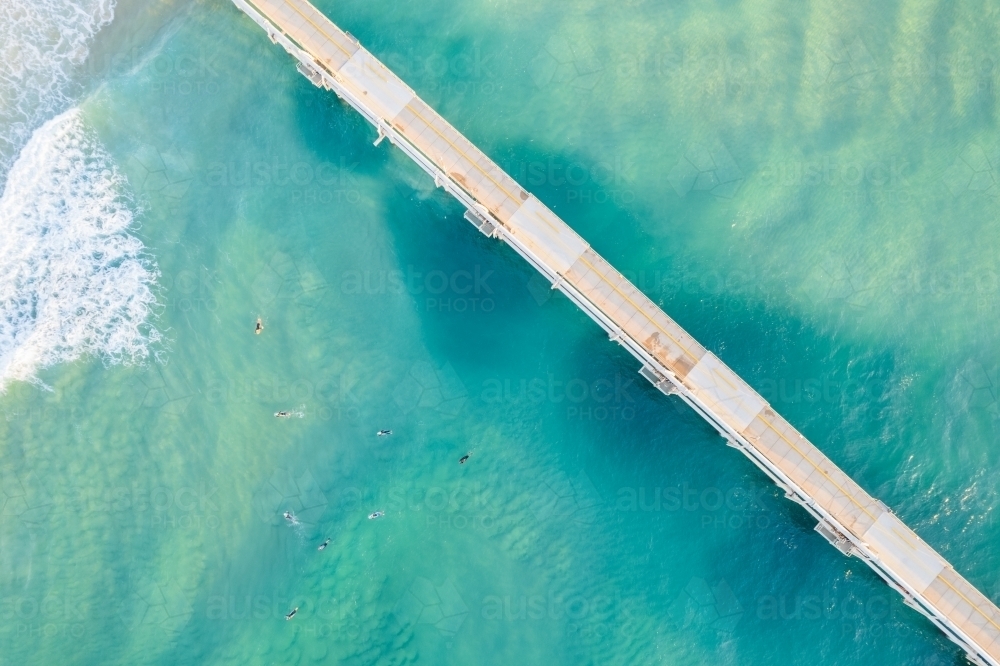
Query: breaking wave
42, 44
73, 280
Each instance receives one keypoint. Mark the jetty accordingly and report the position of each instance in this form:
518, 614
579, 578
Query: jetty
853, 521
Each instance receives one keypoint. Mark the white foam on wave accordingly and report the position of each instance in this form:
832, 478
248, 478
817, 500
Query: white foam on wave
43, 43
73, 280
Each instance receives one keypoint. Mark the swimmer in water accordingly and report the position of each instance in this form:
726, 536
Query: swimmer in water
383, 433
289, 516
260, 326
323, 545
292, 613
282, 415
464, 459
377, 514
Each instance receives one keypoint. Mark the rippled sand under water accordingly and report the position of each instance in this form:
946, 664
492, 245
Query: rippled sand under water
807, 187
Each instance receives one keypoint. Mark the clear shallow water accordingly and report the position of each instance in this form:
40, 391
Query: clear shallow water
807, 188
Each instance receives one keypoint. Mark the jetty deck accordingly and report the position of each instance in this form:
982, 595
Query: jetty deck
851, 519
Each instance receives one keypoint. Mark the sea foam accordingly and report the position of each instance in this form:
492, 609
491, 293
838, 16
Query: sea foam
43, 43
73, 280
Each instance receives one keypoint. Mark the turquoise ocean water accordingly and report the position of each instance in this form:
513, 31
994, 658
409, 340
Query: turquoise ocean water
810, 188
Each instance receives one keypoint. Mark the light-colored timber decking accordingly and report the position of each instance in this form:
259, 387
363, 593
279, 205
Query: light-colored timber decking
851, 519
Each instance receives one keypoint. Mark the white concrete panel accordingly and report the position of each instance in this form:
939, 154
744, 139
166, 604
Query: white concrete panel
903, 552
724, 392
547, 236
381, 90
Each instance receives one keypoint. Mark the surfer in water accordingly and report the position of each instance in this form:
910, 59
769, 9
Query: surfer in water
377, 514
292, 613
323, 545
464, 459
259, 328
384, 433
